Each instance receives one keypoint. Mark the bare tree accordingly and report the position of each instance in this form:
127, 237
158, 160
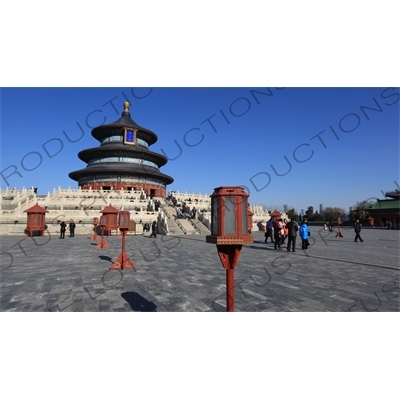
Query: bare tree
333, 213
360, 210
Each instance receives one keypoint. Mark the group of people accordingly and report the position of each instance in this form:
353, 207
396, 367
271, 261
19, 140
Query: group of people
146, 228
328, 226
63, 228
186, 212
279, 230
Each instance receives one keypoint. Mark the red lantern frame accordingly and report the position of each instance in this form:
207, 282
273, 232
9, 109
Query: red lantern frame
229, 230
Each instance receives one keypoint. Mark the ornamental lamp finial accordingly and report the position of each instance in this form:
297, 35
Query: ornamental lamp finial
126, 105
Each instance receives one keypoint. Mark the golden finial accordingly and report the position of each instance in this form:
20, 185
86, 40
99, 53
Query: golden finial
126, 105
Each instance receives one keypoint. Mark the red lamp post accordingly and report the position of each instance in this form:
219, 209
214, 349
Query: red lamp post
123, 261
339, 221
229, 231
102, 243
95, 223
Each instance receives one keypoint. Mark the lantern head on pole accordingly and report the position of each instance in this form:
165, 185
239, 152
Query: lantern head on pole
124, 220
229, 216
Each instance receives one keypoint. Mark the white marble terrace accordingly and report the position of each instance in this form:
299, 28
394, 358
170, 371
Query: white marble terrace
83, 205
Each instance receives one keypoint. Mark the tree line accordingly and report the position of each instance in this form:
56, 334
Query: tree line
359, 211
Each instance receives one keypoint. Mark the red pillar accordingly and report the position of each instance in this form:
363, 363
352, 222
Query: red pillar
229, 256
123, 261
102, 243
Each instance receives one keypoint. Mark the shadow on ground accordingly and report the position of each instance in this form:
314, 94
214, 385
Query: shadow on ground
105, 258
137, 302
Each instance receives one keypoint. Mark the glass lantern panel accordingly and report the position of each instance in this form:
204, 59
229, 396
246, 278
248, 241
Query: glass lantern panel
230, 216
244, 215
123, 220
214, 222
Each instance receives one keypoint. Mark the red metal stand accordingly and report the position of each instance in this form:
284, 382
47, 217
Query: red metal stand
229, 256
123, 261
339, 234
94, 236
102, 244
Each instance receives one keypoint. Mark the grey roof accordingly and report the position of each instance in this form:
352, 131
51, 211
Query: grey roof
121, 150
121, 169
116, 128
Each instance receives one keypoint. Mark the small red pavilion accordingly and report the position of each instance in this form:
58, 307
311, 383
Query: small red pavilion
36, 221
112, 219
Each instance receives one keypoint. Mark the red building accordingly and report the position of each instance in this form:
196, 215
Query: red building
123, 160
387, 210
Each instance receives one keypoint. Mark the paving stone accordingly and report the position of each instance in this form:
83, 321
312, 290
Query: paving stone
184, 274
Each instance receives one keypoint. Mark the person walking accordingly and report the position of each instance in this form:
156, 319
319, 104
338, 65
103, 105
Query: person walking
285, 231
154, 229
72, 228
293, 228
63, 227
304, 234
268, 232
357, 230
278, 233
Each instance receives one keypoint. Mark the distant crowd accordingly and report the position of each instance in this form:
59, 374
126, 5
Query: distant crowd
281, 232
183, 210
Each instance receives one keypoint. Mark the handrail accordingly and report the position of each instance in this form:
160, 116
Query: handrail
181, 226
195, 226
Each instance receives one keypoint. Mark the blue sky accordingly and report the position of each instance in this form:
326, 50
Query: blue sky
295, 146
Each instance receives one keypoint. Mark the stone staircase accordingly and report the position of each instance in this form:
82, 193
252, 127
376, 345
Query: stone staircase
200, 227
181, 225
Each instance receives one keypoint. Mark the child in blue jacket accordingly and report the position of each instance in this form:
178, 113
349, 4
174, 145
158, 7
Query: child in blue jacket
304, 234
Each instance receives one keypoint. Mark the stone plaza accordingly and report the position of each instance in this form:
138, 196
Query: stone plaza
183, 273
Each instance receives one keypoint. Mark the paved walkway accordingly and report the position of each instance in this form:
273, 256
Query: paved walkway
184, 273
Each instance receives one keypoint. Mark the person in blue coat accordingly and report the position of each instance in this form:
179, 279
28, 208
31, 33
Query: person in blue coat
304, 232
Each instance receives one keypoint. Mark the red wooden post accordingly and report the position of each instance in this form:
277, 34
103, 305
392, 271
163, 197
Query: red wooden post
339, 221
229, 256
102, 243
123, 261
95, 223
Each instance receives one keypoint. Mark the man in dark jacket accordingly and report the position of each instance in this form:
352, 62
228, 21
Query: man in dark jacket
154, 229
72, 228
293, 228
63, 227
357, 230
